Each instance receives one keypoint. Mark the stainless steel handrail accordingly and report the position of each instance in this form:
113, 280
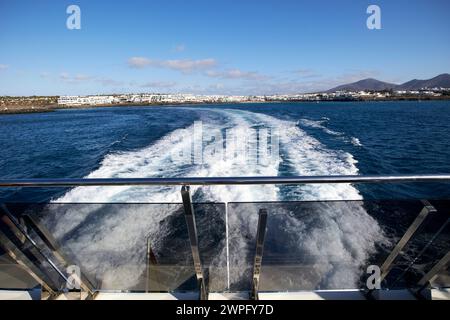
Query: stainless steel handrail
203, 181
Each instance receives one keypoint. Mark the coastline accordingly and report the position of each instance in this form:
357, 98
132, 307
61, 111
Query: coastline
52, 108
18, 109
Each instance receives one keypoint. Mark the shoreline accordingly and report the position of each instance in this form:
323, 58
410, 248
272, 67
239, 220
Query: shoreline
51, 108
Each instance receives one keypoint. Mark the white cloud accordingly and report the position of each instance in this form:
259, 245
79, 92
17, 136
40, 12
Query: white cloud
217, 86
159, 84
82, 77
307, 73
139, 62
188, 65
184, 65
3, 66
179, 48
272, 85
309, 81
356, 76
236, 74
64, 76
110, 82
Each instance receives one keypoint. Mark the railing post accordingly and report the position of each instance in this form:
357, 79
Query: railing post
260, 238
435, 236
11, 221
152, 265
54, 247
21, 259
193, 238
387, 265
20, 231
12, 241
433, 273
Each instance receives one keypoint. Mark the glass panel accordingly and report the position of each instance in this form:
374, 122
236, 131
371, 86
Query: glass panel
19, 255
210, 220
309, 245
442, 279
441, 242
427, 247
109, 242
328, 245
242, 228
14, 276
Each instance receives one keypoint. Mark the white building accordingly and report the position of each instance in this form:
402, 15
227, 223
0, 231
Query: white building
86, 100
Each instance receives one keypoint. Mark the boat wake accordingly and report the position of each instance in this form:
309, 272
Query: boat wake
112, 246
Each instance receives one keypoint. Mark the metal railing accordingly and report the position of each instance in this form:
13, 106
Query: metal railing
14, 237
206, 181
261, 230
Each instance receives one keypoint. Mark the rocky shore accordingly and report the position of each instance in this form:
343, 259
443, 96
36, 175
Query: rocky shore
19, 109
42, 106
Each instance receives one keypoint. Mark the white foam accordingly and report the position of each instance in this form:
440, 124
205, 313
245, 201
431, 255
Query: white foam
356, 142
319, 125
348, 234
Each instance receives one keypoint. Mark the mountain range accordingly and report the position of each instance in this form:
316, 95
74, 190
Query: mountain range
441, 81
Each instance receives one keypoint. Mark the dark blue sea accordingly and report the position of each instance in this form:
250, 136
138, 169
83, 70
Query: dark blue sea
336, 239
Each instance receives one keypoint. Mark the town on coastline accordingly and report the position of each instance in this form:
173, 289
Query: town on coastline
10, 104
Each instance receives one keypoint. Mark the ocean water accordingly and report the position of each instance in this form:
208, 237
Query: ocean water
315, 138
312, 139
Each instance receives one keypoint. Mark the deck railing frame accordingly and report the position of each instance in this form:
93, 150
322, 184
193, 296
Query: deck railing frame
207, 181
210, 181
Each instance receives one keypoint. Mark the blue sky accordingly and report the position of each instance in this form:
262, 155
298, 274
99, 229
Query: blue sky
217, 46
